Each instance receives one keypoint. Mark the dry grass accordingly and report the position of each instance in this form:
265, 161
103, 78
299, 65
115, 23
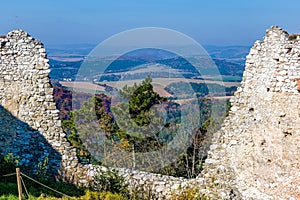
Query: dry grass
166, 81
158, 84
82, 85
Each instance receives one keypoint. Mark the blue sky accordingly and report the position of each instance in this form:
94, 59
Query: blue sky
210, 22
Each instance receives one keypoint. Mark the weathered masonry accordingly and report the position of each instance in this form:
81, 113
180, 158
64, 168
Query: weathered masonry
29, 126
256, 154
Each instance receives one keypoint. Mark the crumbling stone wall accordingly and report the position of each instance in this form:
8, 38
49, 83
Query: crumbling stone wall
256, 154
30, 127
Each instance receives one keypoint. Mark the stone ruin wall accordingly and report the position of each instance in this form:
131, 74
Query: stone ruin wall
30, 127
254, 156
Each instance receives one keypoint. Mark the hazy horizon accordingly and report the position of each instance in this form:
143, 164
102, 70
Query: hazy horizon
216, 22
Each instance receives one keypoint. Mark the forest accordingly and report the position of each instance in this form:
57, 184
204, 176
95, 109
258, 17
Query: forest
137, 122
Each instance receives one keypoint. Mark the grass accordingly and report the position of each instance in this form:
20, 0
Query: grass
9, 190
14, 197
87, 196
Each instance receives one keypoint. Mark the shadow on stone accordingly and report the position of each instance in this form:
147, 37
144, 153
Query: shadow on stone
27, 145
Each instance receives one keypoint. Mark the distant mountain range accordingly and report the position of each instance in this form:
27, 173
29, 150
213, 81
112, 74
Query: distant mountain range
66, 60
228, 52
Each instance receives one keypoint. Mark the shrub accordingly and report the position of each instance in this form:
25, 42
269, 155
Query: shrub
293, 37
8, 164
8, 188
103, 196
42, 168
111, 181
190, 194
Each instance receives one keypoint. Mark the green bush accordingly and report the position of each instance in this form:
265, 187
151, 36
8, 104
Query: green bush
102, 196
7, 188
110, 181
8, 164
190, 194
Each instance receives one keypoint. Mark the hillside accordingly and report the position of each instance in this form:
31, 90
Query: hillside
64, 63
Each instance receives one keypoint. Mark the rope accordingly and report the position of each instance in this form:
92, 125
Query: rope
46, 186
24, 186
8, 175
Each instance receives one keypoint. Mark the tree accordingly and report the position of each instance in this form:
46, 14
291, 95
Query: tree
140, 122
141, 98
88, 127
145, 107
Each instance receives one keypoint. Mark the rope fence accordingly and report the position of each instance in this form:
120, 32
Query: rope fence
58, 192
6, 175
19, 178
24, 187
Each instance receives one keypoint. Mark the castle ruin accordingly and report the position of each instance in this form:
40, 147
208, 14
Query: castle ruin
255, 155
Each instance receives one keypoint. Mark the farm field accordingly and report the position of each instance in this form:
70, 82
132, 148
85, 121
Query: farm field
159, 84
